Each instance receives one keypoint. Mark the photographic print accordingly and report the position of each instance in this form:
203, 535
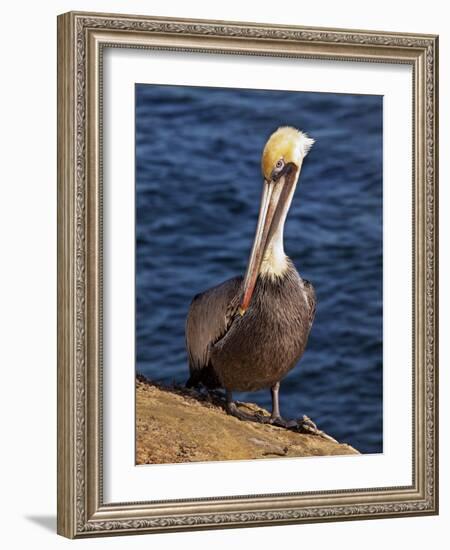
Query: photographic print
247, 274
258, 274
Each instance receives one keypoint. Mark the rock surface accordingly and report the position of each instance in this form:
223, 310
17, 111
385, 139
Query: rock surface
179, 425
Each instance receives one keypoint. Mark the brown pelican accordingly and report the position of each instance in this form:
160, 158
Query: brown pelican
247, 333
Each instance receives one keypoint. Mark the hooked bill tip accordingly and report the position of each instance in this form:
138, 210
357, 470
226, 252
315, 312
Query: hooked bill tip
241, 311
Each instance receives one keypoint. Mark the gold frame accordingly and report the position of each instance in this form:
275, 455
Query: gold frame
81, 38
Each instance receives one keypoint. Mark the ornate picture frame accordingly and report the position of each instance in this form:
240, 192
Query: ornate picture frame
82, 38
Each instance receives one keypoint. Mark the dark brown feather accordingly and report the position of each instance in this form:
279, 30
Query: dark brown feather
256, 350
209, 318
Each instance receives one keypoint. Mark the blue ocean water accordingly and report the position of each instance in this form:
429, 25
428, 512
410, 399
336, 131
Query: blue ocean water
198, 185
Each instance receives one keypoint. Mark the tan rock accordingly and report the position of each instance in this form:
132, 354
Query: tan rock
176, 425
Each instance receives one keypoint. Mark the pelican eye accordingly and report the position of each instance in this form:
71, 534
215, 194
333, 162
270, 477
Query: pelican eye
279, 165
278, 170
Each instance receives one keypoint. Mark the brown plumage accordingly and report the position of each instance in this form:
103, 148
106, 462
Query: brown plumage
254, 351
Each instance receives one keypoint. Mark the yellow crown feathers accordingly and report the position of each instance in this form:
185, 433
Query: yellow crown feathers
286, 143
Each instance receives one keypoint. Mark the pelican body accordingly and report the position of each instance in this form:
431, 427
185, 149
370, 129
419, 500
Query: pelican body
248, 332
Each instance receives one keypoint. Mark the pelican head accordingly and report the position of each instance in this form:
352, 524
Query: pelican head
281, 163
286, 147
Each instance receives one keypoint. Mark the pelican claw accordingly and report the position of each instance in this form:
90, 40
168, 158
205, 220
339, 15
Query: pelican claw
306, 426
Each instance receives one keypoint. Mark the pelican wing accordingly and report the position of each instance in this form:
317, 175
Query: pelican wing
209, 318
312, 301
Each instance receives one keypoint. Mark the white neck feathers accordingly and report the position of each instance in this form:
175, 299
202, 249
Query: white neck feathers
274, 263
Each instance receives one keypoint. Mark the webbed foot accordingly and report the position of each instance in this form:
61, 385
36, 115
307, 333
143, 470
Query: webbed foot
280, 422
233, 410
306, 426
303, 425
